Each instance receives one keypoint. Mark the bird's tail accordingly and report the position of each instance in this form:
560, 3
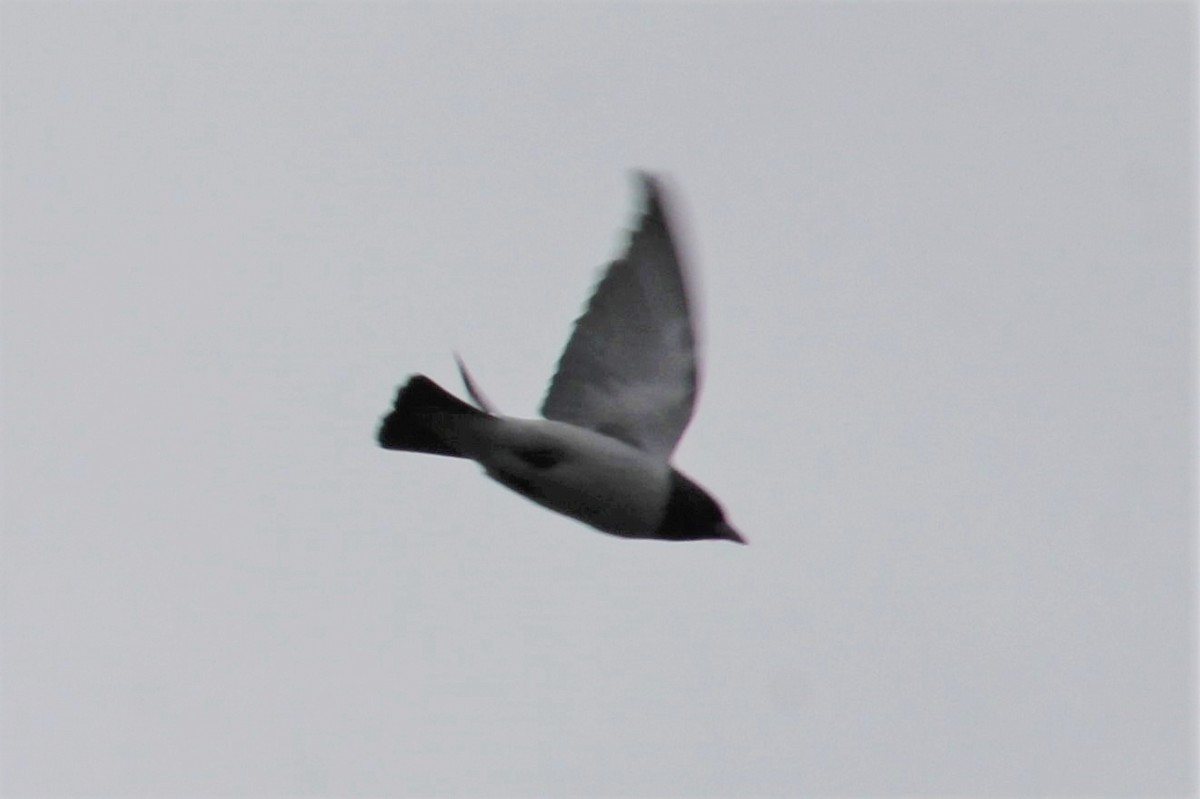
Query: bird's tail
427, 418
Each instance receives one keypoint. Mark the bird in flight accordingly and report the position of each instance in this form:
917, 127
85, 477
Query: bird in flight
617, 406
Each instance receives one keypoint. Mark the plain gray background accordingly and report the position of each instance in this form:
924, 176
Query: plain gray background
945, 253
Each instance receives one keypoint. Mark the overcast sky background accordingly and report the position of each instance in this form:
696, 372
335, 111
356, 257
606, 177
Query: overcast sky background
945, 256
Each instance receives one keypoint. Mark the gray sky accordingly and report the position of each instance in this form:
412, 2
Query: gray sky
946, 262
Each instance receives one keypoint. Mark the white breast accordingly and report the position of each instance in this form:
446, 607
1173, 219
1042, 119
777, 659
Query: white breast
598, 480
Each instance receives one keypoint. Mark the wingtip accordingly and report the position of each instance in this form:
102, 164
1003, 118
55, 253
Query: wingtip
472, 387
653, 195
650, 183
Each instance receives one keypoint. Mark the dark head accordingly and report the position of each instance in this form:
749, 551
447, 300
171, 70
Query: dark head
693, 515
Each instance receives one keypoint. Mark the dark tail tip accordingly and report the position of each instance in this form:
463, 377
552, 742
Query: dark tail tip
420, 405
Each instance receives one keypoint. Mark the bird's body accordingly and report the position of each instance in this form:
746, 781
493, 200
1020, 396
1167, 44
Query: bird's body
585, 475
620, 400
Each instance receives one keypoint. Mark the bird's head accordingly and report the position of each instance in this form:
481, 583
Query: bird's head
693, 515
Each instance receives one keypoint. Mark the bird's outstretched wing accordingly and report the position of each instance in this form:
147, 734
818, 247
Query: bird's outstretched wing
630, 370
